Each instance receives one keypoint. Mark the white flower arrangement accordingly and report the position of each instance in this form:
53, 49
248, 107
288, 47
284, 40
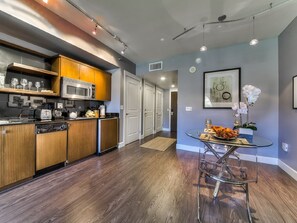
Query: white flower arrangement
251, 94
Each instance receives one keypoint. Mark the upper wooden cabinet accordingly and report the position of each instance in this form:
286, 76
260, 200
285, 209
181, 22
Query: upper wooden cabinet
74, 69
86, 73
67, 67
103, 85
17, 153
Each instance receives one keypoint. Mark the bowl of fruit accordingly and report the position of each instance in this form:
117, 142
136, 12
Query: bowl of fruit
224, 133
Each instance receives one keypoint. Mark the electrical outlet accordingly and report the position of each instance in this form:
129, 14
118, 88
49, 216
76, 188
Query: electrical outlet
285, 146
189, 109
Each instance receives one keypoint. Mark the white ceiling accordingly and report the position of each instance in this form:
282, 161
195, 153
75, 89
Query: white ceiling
142, 23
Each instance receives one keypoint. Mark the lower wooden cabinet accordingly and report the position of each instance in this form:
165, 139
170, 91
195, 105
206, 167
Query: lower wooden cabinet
81, 139
17, 153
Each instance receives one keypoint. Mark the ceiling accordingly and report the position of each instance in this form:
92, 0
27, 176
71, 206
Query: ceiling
169, 79
141, 23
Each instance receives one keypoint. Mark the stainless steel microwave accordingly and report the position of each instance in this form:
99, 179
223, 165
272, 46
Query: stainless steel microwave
77, 89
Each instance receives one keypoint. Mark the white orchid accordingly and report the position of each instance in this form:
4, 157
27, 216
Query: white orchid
251, 93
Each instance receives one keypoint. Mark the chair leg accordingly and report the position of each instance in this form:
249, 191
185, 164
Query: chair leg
198, 198
248, 203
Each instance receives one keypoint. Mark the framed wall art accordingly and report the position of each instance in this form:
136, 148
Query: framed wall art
221, 88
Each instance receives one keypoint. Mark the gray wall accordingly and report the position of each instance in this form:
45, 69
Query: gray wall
259, 67
165, 107
287, 115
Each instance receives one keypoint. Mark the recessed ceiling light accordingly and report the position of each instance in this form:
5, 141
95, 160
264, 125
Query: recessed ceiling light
45, 1
172, 85
163, 78
254, 42
162, 39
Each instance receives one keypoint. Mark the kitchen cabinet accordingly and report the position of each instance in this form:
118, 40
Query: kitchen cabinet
74, 69
86, 73
103, 85
67, 67
81, 139
17, 153
108, 135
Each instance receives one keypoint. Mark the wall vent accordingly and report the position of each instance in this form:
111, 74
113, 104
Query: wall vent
156, 66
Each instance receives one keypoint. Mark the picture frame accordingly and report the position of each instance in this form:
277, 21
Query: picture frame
294, 92
221, 88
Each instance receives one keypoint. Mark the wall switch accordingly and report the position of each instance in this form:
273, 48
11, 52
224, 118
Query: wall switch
122, 107
285, 146
189, 109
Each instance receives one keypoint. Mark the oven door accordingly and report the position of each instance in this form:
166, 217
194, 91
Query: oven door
75, 89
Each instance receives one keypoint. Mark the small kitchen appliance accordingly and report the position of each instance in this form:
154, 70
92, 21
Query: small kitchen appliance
77, 89
43, 114
102, 111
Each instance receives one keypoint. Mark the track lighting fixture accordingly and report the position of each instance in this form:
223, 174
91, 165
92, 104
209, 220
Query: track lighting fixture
97, 24
254, 41
95, 30
203, 47
123, 51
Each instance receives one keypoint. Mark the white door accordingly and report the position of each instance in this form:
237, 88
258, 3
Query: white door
132, 109
159, 109
148, 109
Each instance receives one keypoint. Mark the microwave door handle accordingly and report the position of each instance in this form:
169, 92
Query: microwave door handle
90, 92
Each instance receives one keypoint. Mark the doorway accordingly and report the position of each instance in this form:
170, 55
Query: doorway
132, 108
148, 108
173, 112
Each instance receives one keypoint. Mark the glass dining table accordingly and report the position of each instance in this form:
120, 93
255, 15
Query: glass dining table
224, 172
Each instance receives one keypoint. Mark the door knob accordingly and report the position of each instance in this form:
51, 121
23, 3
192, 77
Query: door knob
127, 113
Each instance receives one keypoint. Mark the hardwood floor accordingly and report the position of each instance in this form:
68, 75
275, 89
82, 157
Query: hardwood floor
134, 184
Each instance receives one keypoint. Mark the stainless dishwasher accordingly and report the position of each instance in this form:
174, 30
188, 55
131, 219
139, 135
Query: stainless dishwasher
51, 144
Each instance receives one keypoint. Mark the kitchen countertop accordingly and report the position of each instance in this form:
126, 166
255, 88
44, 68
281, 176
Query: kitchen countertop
18, 121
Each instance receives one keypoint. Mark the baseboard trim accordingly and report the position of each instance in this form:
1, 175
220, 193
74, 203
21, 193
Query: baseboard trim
289, 170
166, 129
121, 144
247, 157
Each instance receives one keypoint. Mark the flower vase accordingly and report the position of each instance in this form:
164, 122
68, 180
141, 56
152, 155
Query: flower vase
246, 133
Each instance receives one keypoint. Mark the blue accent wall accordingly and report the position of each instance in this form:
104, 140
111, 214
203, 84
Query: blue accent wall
259, 67
287, 115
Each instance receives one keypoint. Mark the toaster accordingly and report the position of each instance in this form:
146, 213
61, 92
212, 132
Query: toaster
43, 114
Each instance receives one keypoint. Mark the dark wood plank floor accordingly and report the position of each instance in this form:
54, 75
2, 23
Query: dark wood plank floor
134, 184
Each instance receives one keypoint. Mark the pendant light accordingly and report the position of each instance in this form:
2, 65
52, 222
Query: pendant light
254, 40
203, 48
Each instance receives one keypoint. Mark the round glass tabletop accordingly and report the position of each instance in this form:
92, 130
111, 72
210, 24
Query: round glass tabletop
255, 141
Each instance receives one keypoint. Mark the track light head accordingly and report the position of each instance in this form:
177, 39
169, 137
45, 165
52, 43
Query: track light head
203, 48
